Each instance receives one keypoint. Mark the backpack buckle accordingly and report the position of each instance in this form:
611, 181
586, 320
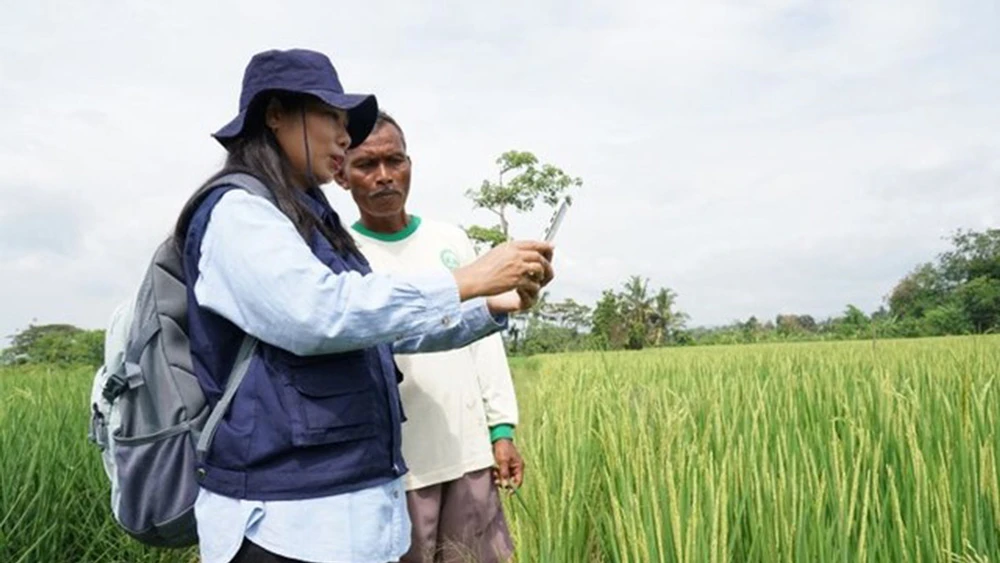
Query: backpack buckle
114, 387
117, 384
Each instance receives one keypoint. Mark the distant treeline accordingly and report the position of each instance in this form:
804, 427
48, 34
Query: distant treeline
958, 293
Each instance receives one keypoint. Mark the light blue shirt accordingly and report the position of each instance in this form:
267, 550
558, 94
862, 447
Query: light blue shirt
257, 272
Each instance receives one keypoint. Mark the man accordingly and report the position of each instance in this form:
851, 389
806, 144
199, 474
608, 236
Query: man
459, 405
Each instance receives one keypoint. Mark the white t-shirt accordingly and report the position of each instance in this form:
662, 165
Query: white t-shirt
450, 399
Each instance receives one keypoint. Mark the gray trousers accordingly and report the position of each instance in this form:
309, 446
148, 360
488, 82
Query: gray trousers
458, 521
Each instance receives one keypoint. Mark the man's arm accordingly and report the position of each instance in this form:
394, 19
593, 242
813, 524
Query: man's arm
500, 404
496, 386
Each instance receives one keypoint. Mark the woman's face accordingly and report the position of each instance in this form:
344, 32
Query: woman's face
326, 131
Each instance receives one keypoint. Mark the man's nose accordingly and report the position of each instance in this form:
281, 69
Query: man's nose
383, 176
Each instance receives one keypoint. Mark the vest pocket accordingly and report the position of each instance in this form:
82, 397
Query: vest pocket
336, 399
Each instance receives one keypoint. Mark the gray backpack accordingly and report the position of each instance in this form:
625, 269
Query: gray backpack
149, 417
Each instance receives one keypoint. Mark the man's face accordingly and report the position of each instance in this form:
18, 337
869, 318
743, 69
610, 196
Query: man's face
377, 173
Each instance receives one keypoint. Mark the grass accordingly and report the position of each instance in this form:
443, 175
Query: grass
836, 452
793, 452
54, 496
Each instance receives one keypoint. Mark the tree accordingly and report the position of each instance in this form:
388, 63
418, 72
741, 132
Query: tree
633, 319
853, 324
948, 318
553, 327
523, 324
665, 320
751, 329
808, 323
920, 291
972, 270
60, 344
530, 183
637, 309
980, 301
975, 255
788, 325
570, 315
607, 322
485, 237
547, 338
855, 317
881, 314
959, 294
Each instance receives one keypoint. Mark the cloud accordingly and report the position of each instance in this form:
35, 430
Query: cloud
763, 157
37, 223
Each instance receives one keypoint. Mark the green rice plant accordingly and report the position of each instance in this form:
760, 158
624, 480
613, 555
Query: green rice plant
835, 451
55, 501
789, 452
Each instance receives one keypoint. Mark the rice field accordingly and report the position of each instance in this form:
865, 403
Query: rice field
790, 452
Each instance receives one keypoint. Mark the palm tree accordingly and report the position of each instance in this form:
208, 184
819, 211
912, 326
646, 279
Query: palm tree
664, 319
638, 308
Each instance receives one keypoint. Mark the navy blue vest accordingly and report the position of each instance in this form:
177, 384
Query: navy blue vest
298, 427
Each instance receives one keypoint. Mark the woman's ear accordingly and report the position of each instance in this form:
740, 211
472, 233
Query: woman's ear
274, 114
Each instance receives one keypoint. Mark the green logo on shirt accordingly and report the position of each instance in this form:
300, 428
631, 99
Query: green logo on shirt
449, 258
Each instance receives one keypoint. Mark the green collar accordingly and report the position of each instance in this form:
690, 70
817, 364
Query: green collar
408, 230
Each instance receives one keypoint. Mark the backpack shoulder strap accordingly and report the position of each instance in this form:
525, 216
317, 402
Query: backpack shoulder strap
241, 180
169, 300
244, 181
253, 186
239, 371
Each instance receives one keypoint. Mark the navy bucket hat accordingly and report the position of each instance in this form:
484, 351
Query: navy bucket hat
303, 72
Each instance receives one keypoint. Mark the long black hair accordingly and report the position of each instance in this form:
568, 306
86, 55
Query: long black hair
257, 152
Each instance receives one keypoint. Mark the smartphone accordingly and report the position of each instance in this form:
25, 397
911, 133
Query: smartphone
550, 232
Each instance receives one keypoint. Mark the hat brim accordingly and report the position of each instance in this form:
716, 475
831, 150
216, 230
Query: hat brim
362, 112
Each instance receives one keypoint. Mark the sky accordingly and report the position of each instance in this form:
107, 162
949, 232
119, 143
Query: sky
757, 158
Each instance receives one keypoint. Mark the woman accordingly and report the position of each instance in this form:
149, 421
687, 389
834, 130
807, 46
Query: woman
306, 464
